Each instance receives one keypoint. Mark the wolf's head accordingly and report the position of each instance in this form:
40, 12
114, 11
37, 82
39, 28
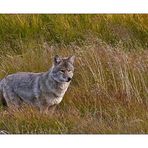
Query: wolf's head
63, 69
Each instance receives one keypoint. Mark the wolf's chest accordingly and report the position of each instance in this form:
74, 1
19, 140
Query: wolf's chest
54, 95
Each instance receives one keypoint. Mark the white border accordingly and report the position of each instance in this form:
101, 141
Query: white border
73, 6
73, 141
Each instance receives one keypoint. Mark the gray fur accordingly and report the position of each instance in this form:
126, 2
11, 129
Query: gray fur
38, 89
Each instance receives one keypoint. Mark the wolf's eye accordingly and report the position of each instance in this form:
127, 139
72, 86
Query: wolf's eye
62, 71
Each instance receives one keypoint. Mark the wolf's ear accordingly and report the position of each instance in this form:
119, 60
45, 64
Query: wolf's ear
71, 59
57, 59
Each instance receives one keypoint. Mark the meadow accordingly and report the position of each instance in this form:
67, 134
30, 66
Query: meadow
109, 90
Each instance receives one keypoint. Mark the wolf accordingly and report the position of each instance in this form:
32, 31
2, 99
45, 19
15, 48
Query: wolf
42, 90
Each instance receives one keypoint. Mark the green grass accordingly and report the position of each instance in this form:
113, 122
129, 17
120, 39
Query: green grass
109, 91
130, 30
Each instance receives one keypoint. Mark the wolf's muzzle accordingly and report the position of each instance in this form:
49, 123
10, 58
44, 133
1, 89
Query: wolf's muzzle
69, 79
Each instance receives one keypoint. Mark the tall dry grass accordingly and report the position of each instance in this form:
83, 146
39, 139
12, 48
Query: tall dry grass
108, 94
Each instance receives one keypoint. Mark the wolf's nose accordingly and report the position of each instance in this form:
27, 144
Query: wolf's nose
69, 79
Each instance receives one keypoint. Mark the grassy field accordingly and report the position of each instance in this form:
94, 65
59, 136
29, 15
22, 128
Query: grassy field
109, 91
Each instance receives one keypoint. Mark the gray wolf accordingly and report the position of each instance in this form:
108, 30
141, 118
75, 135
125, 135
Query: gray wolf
42, 90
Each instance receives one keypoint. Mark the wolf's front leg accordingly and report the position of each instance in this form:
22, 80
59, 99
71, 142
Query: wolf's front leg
44, 109
47, 109
51, 109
